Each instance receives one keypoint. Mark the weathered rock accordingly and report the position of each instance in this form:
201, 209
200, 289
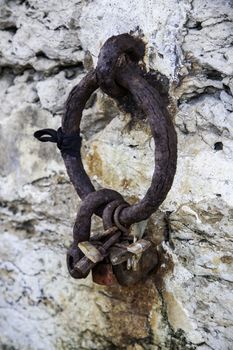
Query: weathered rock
46, 47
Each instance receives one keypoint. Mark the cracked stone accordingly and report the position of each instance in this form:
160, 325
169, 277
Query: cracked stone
46, 48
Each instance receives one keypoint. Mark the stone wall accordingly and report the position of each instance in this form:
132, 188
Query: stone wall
46, 47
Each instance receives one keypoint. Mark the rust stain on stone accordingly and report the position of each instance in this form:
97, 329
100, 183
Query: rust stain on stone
134, 313
129, 321
94, 162
125, 183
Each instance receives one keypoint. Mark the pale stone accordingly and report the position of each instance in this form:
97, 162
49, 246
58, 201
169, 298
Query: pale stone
187, 304
162, 27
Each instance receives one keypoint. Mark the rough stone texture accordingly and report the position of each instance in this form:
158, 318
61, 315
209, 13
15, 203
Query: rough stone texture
45, 49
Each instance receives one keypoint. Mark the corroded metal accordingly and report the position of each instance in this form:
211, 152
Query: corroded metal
79, 265
91, 252
139, 247
117, 74
148, 98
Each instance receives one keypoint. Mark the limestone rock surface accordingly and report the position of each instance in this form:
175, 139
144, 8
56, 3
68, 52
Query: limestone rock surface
46, 47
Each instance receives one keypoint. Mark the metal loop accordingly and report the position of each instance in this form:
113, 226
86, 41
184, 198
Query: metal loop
117, 76
149, 100
108, 213
71, 120
116, 217
108, 58
94, 202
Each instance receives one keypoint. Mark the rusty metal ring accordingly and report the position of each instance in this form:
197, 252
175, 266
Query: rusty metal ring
116, 217
163, 132
82, 226
109, 212
94, 200
112, 50
71, 120
117, 72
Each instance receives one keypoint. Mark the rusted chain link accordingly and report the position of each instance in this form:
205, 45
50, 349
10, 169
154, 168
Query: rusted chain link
81, 232
117, 73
